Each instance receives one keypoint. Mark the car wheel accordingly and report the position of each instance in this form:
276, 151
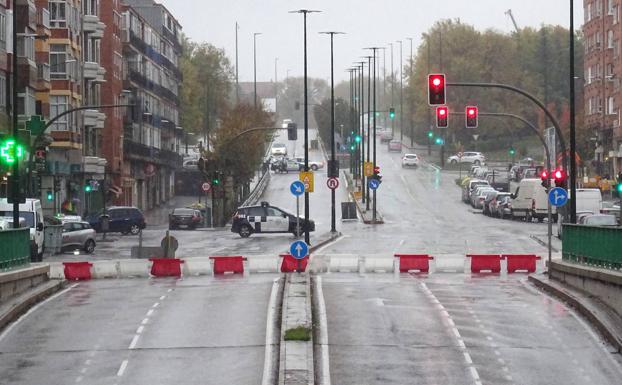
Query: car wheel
453, 161
245, 231
477, 162
89, 246
314, 167
134, 229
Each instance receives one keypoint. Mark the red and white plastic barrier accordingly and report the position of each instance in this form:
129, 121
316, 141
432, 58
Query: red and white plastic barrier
289, 264
166, 267
485, 262
524, 262
228, 264
410, 262
77, 271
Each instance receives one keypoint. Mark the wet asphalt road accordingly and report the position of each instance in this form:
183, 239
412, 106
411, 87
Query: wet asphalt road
157, 331
456, 329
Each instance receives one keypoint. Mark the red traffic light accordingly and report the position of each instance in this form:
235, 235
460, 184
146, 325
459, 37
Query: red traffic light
559, 174
436, 89
544, 175
376, 170
441, 116
560, 177
471, 116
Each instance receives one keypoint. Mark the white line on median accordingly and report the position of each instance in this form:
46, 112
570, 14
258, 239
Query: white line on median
161, 298
155, 305
268, 356
134, 342
150, 312
140, 329
325, 364
122, 368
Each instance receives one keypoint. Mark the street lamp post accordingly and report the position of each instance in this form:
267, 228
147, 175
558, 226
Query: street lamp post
332, 34
573, 135
374, 49
306, 114
392, 88
401, 93
360, 65
411, 104
237, 80
368, 120
255, 67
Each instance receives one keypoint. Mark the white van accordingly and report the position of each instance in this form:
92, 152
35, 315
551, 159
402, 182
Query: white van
589, 201
530, 201
32, 213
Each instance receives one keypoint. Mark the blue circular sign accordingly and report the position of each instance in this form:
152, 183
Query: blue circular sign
373, 184
299, 249
297, 188
558, 196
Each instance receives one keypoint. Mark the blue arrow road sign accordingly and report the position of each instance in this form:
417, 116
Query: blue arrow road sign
373, 184
299, 249
558, 196
297, 188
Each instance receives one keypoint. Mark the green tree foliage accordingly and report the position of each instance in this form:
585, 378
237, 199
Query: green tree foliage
344, 119
291, 100
535, 60
206, 87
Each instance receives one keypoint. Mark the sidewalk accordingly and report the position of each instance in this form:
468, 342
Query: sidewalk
601, 316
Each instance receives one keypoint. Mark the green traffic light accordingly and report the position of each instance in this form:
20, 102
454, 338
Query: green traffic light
439, 141
88, 188
50, 196
430, 134
392, 113
619, 188
357, 139
351, 148
512, 152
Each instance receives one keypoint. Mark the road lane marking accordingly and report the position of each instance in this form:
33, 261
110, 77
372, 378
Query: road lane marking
80, 378
161, 298
324, 351
145, 321
169, 290
140, 329
33, 309
134, 342
150, 312
270, 345
156, 305
122, 368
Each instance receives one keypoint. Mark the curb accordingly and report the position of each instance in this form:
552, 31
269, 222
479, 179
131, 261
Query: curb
325, 242
379, 217
583, 308
28, 300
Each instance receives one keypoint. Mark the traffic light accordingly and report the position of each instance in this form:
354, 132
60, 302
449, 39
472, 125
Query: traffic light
88, 186
512, 151
436, 89
392, 113
292, 131
216, 179
377, 175
50, 195
441, 116
430, 134
560, 177
357, 138
619, 189
439, 141
544, 176
471, 117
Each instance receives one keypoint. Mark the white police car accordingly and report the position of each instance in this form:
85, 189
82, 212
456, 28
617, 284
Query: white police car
267, 219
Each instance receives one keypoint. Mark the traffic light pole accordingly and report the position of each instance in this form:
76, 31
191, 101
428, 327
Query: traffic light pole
14, 112
374, 215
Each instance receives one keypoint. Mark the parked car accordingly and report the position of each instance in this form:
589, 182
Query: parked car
395, 146
184, 218
122, 219
287, 165
598, 220
78, 235
278, 149
386, 136
531, 201
489, 197
478, 197
612, 208
499, 180
410, 160
267, 219
191, 164
313, 164
476, 158
468, 188
589, 201
501, 206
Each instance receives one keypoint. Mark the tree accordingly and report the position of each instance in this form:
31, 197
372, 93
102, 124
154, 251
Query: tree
343, 117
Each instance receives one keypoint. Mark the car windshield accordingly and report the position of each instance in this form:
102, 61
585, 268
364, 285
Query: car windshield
183, 212
278, 145
28, 216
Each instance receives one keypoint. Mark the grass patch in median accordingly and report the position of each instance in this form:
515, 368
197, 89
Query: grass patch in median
300, 333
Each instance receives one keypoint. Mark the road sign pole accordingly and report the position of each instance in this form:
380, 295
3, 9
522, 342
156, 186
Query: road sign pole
212, 214
297, 216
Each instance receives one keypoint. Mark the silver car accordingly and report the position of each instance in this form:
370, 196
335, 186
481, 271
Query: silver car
78, 235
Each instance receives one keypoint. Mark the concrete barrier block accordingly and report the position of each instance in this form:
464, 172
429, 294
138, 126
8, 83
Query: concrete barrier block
105, 269
57, 270
344, 264
196, 266
134, 268
378, 265
263, 264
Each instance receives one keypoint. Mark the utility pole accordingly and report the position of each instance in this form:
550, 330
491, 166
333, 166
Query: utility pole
411, 104
374, 215
276, 87
255, 67
369, 112
392, 90
573, 134
15, 175
237, 79
401, 94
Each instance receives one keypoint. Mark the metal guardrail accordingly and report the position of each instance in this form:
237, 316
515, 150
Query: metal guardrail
257, 192
593, 245
15, 250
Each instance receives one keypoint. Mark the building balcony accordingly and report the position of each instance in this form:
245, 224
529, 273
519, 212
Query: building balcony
94, 71
93, 26
66, 139
94, 165
43, 20
137, 151
94, 118
174, 39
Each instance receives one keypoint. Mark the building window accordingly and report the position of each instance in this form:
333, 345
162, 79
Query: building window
609, 69
58, 105
58, 61
2, 28
2, 91
610, 108
610, 7
58, 14
26, 47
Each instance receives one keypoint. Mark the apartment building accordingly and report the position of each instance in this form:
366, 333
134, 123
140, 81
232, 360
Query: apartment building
602, 32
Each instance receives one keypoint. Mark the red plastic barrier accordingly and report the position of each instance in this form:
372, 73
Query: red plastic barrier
521, 262
77, 271
481, 262
290, 264
419, 262
166, 267
233, 265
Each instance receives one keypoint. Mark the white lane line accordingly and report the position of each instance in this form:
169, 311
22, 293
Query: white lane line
140, 329
270, 344
83, 370
150, 312
122, 368
169, 290
456, 332
79, 379
33, 309
319, 251
87, 362
156, 305
134, 342
325, 364
145, 321
161, 298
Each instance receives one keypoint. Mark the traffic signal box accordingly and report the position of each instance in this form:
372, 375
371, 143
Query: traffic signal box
471, 116
436, 89
441, 117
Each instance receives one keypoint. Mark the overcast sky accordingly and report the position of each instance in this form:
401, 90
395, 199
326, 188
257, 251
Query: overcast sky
366, 22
